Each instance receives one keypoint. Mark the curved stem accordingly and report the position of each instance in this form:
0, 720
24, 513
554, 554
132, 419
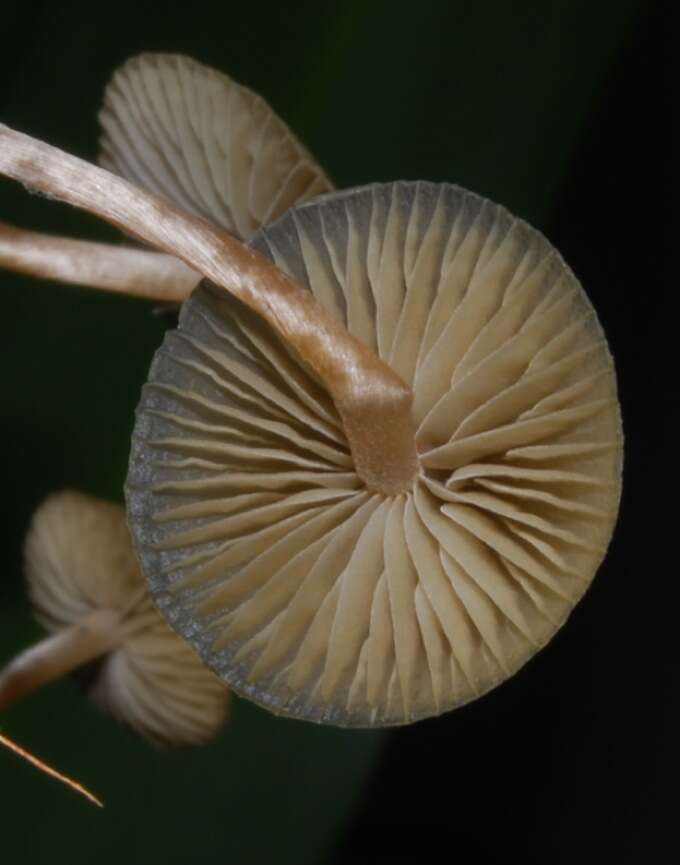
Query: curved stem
373, 401
58, 654
151, 275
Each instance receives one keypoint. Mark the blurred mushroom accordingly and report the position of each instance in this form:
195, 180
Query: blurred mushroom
87, 590
369, 482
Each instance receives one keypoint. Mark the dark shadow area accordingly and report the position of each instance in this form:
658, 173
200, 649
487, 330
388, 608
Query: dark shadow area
572, 760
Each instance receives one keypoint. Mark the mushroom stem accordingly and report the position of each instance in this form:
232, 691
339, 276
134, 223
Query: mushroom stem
150, 275
39, 764
60, 653
373, 401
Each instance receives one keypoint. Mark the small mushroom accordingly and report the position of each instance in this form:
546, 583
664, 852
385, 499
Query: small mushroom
196, 138
379, 461
87, 590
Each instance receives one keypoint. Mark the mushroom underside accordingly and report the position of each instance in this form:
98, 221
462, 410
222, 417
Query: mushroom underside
80, 564
304, 590
193, 135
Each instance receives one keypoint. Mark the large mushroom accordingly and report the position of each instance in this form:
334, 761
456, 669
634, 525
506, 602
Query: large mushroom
309, 586
372, 477
86, 588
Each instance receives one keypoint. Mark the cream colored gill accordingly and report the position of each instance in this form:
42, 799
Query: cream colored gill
314, 595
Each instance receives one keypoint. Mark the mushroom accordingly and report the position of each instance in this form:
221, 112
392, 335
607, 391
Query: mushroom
215, 148
311, 589
372, 477
195, 137
87, 590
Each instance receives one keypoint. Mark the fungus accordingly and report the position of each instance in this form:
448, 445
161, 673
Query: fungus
199, 139
370, 479
195, 137
85, 585
323, 596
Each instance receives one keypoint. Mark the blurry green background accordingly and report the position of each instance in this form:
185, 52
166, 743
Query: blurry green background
495, 96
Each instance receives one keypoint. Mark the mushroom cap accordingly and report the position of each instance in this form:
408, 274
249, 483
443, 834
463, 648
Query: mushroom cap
307, 592
79, 558
191, 134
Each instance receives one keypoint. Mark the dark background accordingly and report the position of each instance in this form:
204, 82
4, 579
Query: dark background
555, 109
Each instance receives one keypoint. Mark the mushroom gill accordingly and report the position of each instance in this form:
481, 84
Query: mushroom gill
190, 135
193, 135
304, 588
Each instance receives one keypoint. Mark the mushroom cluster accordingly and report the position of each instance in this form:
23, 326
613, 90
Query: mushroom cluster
378, 462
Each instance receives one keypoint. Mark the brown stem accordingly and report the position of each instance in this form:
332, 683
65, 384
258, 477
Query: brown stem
58, 654
151, 275
39, 764
373, 401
